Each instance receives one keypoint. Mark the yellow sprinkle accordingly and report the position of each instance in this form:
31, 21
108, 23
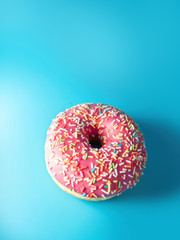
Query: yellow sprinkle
94, 195
98, 179
93, 175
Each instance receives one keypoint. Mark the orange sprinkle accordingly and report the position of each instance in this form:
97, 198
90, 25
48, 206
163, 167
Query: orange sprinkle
89, 173
98, 179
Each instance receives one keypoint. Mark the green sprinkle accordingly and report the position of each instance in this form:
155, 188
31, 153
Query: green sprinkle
113, 165
99, 161
73, 144
133, 147
119, 184
110, 166
63, 115
85, 156
66, 149
61, 140
88, 107
94, 180
136, 179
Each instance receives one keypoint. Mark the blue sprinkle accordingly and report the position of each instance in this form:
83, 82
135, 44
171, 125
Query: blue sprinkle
83, 123
110, 144
106, 186
114, 150
120, 145
134, 135
137, 141
107, 110
120, 141
93, 170
84, 195
99, 112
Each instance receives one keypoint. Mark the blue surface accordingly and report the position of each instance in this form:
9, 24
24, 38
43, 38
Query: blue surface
56, 54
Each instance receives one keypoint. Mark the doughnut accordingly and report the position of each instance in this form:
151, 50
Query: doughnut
94, 151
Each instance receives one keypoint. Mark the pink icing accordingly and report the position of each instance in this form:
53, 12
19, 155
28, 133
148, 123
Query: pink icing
93, 172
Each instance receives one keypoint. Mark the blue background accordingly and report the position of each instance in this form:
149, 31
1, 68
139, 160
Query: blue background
56, 54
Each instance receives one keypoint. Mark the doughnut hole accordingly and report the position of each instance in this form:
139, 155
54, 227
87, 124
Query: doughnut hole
95, 142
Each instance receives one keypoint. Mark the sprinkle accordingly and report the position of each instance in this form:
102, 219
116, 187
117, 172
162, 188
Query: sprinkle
89, 173
99, 161
94, 195
84, 195
85, 156
61, 140
83, 123
93, 170
119, 184
83, 168
98, 179
109, 186
93, 175
110, 166
104, 191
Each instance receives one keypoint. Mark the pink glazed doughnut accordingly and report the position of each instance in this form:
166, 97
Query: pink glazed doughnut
94, 151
